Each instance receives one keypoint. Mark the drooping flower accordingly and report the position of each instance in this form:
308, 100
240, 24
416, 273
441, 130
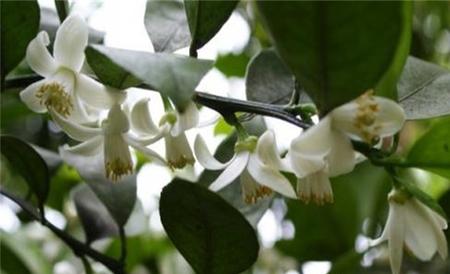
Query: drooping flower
412, 224
172, 127
111, 139
64, 89
257, 163
325, 150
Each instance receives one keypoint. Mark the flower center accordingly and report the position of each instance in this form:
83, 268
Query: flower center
248, 144
398, 196
169, 117
251, 190
181, 161
54, 96
117, 168
365, 120
315, 187
117, 157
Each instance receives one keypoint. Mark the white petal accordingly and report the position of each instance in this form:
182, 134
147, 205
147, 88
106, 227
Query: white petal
231, 172
28, 96
95, 94
341, 159
141, 120
439, 223
204, 157
70, 42
75, 131
87, 148
266, 149
148, 140
396, 237
186, 120
178, 151
38, 57
270, 177
391, 116
152, 155
306, 164
208, 121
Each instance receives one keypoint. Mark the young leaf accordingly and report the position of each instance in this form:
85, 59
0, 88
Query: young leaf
268, 79
206, 18
166, 24
432, 150
172, 75
95, 218
20, 24
336, 51
108, 72
28, 163
424, 90
211, 234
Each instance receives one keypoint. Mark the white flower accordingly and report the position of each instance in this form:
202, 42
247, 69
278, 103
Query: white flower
63, 85
325, 150
317, 154
111, 138
412, 224
171, 127
256, 162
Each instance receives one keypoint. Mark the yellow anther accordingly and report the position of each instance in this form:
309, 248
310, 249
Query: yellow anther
54, 96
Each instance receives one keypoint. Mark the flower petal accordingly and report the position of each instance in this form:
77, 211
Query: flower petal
270, 177
204, 157
396, 235
141, 120
70, 42
148, 140
186, 120
28, 96
151, 154
391, 116
88, 148
95, 94
178, 151
266, 149
38, 57
231, 172
341, 159
75, 131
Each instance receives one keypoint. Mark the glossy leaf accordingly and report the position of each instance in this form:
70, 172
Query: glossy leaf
211, 235
108, 72
174, 76
27, 162
336, 51
166, 24
424, 90
20, 24
95, 218
205, 18
432, 150
268, 79
232, 64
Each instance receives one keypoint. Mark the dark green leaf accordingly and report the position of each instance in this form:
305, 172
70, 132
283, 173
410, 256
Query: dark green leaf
268, 79
62, 8
334, 58
432, 150
25, 160
348, 263
108, 72
166, 24
172, 75
205, 18
20, 24
232, 64
211, 235
424, 90
95, 218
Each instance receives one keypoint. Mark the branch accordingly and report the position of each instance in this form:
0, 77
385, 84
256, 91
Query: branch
79, 249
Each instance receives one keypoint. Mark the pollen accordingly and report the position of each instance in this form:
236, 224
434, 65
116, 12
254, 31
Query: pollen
117, 168
53, 96
180, 162
258, 193
366, 114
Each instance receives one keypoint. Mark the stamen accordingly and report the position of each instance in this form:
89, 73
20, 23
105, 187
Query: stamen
180, 162
117, 168
53, 96
366, 114
259, 193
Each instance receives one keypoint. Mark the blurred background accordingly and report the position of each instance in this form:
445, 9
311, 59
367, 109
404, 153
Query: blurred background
286, 231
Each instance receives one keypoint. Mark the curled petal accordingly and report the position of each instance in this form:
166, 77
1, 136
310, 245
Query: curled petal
205, 158
38, 57
391, 116
141, 120
268, 176
87, 148
266, 149
70, 42
75, 131
396, 236
148, 140
186, 120
341, 159
95, 94
231, 172
28, 96
151, 154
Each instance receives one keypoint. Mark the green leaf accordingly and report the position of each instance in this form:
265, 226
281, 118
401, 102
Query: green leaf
432, 150
25, 160
166, 24
268, 79
348, 263
95, 218
232, 64
205, 18
211, 235
172, 75
423, 90
108, 72
336, 51
20, 24
326, 232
